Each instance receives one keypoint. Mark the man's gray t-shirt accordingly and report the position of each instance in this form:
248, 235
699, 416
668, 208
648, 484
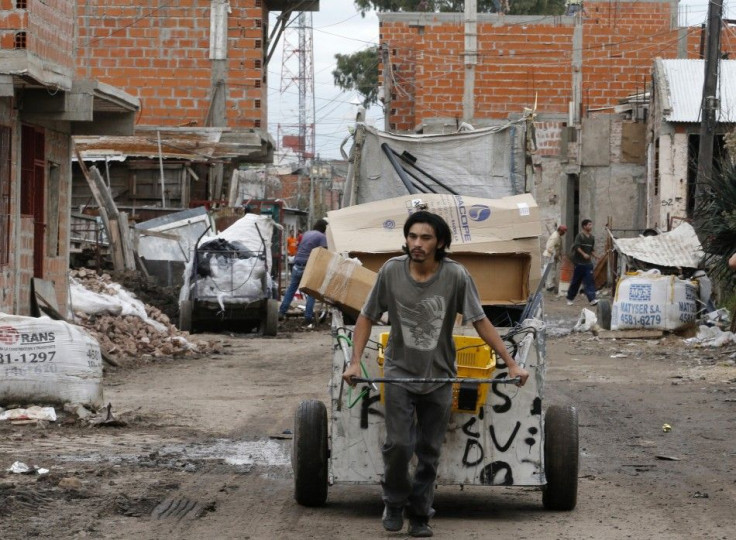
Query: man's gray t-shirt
422, 317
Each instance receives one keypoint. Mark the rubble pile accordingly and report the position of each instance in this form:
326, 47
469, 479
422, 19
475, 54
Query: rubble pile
122, 336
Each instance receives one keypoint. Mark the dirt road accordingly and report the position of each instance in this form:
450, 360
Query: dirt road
204, 453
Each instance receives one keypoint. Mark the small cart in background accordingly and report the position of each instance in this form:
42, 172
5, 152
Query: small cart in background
228, 280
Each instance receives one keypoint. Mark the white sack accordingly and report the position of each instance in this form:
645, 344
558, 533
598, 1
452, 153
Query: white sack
48, 361
586, 321
651, 300
121, 303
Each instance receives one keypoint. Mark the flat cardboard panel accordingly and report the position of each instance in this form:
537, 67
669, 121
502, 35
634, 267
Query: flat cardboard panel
633, 142
378, 226
501, 278
330, 277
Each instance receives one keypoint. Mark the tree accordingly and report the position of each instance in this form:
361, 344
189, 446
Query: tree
359, 72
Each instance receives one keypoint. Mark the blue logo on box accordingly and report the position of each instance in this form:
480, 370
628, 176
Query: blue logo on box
389, 224
479, 212
640, 293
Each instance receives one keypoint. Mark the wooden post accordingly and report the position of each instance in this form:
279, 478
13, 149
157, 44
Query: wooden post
126, 244
111, 226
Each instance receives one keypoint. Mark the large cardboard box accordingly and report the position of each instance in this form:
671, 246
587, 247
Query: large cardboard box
475, 223
344, 282
501, 278
495, 239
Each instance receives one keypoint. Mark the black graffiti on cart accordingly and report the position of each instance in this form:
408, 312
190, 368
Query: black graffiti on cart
498, 472
503, 447
490, 471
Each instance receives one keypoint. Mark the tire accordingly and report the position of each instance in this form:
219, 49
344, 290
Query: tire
185, 315
604, 314
309, 454
270, 324
561, 458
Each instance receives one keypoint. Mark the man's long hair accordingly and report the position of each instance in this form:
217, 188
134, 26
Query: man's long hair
441, 231
320, 225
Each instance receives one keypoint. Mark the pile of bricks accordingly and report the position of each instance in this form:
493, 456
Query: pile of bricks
129, 337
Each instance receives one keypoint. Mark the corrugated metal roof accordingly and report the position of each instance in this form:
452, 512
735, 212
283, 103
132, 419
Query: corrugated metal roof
685, 89
679, 247
194, 144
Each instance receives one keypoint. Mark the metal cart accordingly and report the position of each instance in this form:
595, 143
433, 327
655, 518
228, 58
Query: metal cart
507, 439
245, 299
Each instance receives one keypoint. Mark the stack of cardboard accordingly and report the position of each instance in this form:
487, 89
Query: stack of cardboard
496, 239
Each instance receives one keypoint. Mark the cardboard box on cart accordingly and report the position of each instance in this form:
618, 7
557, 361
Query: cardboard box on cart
495, 239
329, 276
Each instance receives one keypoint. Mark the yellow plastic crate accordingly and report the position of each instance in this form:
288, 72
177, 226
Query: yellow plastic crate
474, 360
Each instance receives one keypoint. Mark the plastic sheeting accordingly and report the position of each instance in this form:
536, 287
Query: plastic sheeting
474, 163
677, 248
120, 303
234, 267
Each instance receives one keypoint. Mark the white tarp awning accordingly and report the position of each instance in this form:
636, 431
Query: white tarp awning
473, 163
678, 248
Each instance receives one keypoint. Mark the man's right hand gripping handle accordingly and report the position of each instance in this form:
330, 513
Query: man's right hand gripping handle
353, 370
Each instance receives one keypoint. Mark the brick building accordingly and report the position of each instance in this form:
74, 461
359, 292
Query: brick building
43, 101
573, 71
200, 69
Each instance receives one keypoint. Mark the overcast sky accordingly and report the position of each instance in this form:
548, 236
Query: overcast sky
339, 28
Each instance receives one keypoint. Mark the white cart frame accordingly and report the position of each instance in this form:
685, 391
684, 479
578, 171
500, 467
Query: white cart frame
510, 442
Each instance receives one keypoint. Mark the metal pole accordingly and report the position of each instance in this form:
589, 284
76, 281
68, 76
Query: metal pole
311, 196
386, 87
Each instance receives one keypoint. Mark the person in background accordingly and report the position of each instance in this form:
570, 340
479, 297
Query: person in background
309, 240
583, 251
551, 256
732, 262
423, 291
291, 247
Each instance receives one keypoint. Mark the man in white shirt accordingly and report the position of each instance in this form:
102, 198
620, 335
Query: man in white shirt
551, 255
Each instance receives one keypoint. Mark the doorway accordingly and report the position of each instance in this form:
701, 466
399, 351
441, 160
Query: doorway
33, 193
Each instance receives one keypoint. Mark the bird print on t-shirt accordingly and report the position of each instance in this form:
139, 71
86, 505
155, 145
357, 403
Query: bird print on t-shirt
420, 326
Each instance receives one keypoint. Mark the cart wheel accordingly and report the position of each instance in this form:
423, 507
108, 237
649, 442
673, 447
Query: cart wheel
185, 315
270, 324
309, 455
604, 314
560, 458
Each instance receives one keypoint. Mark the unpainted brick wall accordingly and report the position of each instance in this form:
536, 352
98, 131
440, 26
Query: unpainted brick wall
49, 28
523, 64
159, 52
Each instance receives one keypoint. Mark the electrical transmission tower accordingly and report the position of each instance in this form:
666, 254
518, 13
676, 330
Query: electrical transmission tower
297, 71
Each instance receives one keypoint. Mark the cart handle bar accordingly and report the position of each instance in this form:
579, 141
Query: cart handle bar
514, 380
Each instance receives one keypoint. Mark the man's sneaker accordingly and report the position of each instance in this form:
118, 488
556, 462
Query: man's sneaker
570, 302
393, 518
282, 317
593, 302
419, 528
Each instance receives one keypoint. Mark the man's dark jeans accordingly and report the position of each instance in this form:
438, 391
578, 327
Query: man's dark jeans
405, 437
